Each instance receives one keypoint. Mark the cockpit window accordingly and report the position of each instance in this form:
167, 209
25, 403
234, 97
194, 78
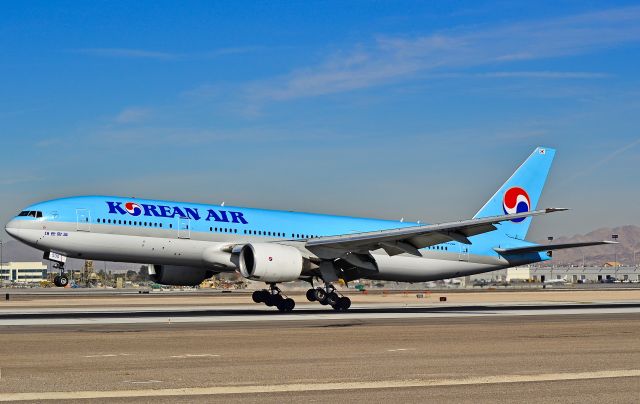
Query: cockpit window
31, 213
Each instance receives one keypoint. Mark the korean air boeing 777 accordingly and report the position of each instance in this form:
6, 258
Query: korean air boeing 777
187, 242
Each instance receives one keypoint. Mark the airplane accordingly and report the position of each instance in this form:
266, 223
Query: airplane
186, 243
557, 281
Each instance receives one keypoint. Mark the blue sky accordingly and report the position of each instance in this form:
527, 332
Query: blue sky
384, 108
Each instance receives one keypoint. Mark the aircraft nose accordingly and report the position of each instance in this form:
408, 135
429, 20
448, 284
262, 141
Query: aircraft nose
11, 228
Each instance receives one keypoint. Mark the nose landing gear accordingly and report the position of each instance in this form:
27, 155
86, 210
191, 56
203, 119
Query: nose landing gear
273, 297
61, 280
328, 295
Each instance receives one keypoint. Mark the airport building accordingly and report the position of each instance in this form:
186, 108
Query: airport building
580, 274
23, 272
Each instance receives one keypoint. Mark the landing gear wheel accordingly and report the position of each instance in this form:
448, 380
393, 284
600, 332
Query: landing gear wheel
286, 305
342, 304
332, 298
64, 281
311, 295
274, 300
56, 280
257, 296
320, 295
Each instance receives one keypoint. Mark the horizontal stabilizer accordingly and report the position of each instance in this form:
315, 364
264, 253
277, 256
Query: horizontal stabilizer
548, 247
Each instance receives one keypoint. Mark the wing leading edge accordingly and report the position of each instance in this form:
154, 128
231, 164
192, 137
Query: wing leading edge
411, 239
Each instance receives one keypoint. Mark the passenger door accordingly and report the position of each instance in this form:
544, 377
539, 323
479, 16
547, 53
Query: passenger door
464, 253
83, 217
184, 227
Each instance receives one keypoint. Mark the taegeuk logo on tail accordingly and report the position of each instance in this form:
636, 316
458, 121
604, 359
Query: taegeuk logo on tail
516, 200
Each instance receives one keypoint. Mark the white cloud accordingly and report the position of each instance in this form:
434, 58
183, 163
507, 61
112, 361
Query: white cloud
133, 115
389, 59
160, 55
544, 75
44, 143
593, 165
126, 53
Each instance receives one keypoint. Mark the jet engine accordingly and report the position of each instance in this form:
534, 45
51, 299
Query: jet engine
270, 262
179, 275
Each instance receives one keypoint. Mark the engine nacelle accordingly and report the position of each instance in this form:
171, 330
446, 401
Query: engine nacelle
178, 275
270, 262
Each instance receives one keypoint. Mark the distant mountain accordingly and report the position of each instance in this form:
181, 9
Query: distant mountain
628, 239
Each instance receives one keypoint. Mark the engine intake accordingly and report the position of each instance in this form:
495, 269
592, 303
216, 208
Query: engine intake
270, 262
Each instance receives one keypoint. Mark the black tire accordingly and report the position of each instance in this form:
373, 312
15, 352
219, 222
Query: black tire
333, 298
343, 304
270, 301
320, 294
291, 304
286, 305
257, 296
346, 302
56, 280
311, 295
274, 300
64, 281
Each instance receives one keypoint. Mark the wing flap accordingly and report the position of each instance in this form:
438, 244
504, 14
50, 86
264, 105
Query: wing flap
548, 247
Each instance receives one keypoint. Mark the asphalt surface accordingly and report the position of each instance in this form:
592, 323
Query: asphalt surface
508, 358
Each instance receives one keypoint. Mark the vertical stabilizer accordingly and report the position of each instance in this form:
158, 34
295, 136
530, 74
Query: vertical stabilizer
520, 193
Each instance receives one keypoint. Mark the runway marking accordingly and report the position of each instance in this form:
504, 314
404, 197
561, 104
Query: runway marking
195, 356
285, 388
401, 349
106, 355
302, 316
142, 381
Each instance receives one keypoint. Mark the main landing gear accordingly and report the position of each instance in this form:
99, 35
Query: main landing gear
273, 297
329, 296
61, 280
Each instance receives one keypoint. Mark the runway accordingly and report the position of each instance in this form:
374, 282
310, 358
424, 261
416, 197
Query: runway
587, 357
307, 312
553, 346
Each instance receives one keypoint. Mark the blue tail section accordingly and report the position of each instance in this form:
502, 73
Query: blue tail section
520, 193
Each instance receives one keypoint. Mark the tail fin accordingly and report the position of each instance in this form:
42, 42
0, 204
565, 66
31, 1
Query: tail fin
520, 193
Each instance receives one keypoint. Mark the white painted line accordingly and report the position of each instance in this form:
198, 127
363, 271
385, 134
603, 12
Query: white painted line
299, 307
195, 356
142, 381
280, 388
355, 315
401, 349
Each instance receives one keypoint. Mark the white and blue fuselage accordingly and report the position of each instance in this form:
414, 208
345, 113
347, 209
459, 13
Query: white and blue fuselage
202, 236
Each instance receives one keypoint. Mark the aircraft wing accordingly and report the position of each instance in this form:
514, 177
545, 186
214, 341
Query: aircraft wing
548, 247
411, 239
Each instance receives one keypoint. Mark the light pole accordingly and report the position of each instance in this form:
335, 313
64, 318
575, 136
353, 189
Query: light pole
550, 239
614, 237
